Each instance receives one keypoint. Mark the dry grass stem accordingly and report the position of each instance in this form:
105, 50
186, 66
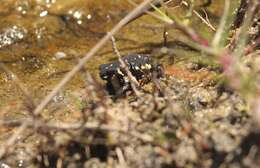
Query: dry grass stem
204, 20
134, 83
121, 158
35, 123
221, 28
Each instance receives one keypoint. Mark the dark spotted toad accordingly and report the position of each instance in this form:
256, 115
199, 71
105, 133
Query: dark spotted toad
141, 67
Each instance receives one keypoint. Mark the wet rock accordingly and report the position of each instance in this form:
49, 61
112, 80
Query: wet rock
60, 55
11, 35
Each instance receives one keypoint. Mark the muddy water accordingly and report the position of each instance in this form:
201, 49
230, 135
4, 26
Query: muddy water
40, 41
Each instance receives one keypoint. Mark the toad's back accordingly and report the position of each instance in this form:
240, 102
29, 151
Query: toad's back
136, 63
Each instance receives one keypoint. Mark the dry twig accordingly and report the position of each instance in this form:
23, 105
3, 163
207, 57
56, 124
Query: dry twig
121, 157
134, 83
76, 126
204, 20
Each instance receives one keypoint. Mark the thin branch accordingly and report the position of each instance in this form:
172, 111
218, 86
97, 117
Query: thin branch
155, 3
9, 143
134, 83
76, 126
206, 21
121, 158
148, 11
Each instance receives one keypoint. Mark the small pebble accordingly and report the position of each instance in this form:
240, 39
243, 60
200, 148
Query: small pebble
60, 55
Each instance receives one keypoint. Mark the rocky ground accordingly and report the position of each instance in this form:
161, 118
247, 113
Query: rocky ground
189, 124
